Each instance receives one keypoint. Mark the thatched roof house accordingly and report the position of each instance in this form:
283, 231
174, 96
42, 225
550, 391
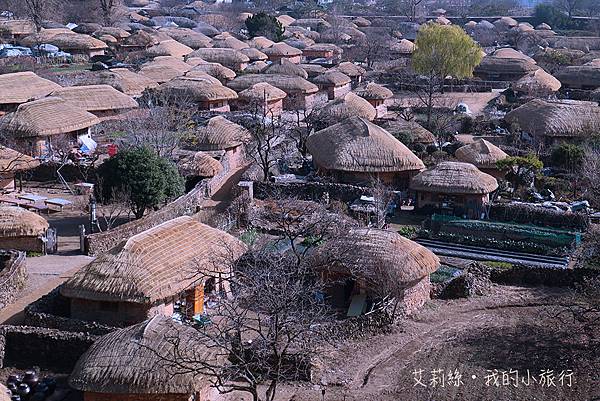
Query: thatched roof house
146, 274
115, 32
228, 57
22, 230
164, 68
416, 132
300, 92
504, 69
355, 72
12, 30
209, 96
21, 87
376, 95
379, 263
282, 50
334, 83
268, 98
537, 83
225, 40
256, 67
138, 361
402, 47
260, 42
349, 105
71, 42
188, 37
286, 67
580, 77
216, 70
221, 134
550, 121
100, 100
321, 50
199, 164
285, 20
254, 54
169, 47
124, 80
505, 23
355, 149
482, 154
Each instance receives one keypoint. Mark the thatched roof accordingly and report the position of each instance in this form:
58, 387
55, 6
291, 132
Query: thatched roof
140, 39
213, 69
543, 27
17, 27
225, 40
65, 41
188, 37
510, 53
298, 31
254, 54
324, 47
164, 68
227, 57
156, 264
169, 48
286, 67
202, 76
198, 89
403, 46
96, 98
501, 66
18, 222
481, 154
416, 132
220, 134
375, 91
13, 161
314, 24
262, 92
454, 178
4, 393
358, 145
285, 20
314, 70
124, 80
332, 78
361, 22
282, 49
351, 69
199, 164
505, 23
115, 32
289, 84
375, 256
537, 83
347, 106
583, 43
140, 359
587, 75
20, 87
260, 42
256, 67
556, 118
299, 41
48, 116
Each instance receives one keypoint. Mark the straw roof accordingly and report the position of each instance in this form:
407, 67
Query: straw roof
66, 41
198, 89
140, 39
324, 47
256, 67
227, 57
202, 76
285, 20
19, 222
587, 75
213, 69
510, 53
583, 43
220, 134
254, 54
225, 40
351, 69
299, 42
454, 178
13, 161
358, 145
164, 68
505, 23
375, 91
314, 70
17, 27
124, 80
260, 42
416, 132
169, 48
347, 106
156, 264
286, 67
20, 87
498, 65
115, 32
262, 92
4, 393
188, 37
538, 83
289, 84
543, 27
282, 49
315, 24
403, 46
96, 98
139, 360
361, 22
375, 255
332, 77
298, 31
481, 154
48, 116
199, 164
556, 118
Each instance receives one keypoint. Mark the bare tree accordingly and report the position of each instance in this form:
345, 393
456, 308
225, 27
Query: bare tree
39, 10
111, 10
305, 122
268, 138
382, 196
568, 6
410, 8
591, 174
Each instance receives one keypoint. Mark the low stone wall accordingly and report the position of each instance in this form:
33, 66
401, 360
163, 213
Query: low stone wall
542, 276
13, 275
311, 191
24, 347
52, 311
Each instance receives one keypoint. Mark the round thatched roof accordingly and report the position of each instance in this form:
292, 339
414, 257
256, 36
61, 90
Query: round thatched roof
198, 89
260, 42
537, 83
299, 41
188, 37
454, 178
349, 105
290, 84
124, 80
19, 222
286, 67
332, 78
351, 69
580, 75
377, 256
361, 22
225, 56
11, 160
201, 165
225, 40
20, 87
480, 153
256, 67
285, 20
375, 91
254, 54
262, 92
505, 23
220, 133
214, 69
282, 49
169, 48
140, 360
358, 145
510, 53
417, 133
403, 46
94, 98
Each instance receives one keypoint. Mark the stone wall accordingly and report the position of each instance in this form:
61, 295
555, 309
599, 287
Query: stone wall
311, 191
23, 347
13, 275
542, 276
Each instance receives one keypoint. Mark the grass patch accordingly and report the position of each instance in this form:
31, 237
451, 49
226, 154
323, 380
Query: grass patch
499, 265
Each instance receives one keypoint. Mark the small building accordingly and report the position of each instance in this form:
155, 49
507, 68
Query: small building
267, 98
22, 230
585, 77
20, 87
505, 65
321, 50
458, 188
365, 266
137, 363
12, 31
402, 48
282, 50
222, 73
355, 72
67, 41
164, 68
254, 54
13, 164
196, 167
43, 126
226, 41
349, 105
357, 151
285, 67
208, 95
300, 92
230, 58
484, 155
187, 36
413, 131
537, 84
103, 101
124, 80
220, 134
376, 95
176, 262
334, 83
169, 47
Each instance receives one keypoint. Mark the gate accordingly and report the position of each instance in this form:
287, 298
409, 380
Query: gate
51, 241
